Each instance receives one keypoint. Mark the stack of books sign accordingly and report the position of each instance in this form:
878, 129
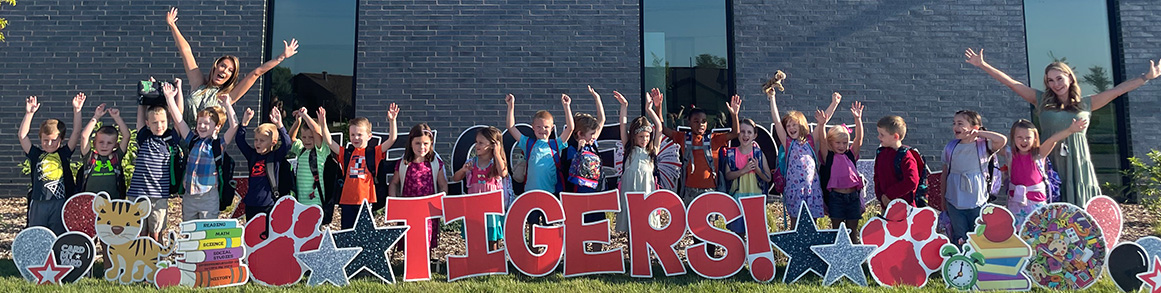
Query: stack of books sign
212, 254
1003, 262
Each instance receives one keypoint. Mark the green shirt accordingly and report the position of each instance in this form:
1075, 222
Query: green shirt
104, 177
304, 178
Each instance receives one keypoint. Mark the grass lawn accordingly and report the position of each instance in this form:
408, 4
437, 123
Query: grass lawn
10, 279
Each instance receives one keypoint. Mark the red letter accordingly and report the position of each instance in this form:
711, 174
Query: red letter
758, 252
415, 212
477, 260
549, 238
579, 262
704, 265
662, 241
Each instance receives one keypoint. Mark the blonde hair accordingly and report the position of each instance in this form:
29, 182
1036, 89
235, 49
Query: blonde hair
268, 129
796, 118
360, 122
542, 114
214, 112
1025, 124
838, 133
894, 125
1049, 98
156, 110
52, 126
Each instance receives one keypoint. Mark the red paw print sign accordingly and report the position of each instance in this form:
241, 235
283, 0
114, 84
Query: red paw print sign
908, 245
272, 240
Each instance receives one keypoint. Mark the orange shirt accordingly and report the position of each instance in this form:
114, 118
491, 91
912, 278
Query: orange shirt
358, 183
699, 177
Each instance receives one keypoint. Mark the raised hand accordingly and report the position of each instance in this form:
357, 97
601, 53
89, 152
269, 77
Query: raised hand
511, 100
289, 48
392, 112
99, 112
973, 58
648, 103
31, 105
594, 92
113, 112
224, 99
735, 104
1154, 70
565, 100
276, 116
1078, 125
78, 102
171, 17
322, 113
655, 94
300, 113
247, 116
621, 99
857, 110
819, 116
168, 90
836, 98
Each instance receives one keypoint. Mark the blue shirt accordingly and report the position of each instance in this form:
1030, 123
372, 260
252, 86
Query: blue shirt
259, 192
541, 168
201, 171
151, 168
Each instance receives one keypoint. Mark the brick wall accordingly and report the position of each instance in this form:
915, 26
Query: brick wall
900, 57
1139, 29
56, 48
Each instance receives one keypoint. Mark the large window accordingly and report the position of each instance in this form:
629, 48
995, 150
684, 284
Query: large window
686, 54
1077, 32
323, 71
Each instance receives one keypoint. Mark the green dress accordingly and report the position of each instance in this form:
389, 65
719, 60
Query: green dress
1071, 158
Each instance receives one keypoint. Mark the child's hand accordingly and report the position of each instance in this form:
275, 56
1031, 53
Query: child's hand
735, 105
298, 114
322, 113
171, 17
1078, 125
392, 112
100, 111
78, 102
973, 58
594, 93
467, 167
276, 116
648, 103
511, 100
836, 98
621, 99
751, 165
289, 48
115, 113
655, 94
857, 110
31, 105
819, 116
168, 90
247, 116
565, 100
224, 99
177, 84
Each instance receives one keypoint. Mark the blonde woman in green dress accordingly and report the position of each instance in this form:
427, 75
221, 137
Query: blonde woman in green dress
1057, 108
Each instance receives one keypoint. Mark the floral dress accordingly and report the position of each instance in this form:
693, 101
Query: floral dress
479, 182
802, 185
418, 182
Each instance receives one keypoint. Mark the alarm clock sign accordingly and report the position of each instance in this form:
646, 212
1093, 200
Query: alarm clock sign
960, 270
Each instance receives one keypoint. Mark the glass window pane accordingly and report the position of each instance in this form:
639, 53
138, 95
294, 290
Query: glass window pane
686, 56
322, 73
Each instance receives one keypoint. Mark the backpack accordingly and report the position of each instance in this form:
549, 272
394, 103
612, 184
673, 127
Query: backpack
177, 162
283, 183
372, 161
921, 190
520, 161
585, 168
687, 152
726, 162
91, 164
991, 171
779, 176
1048, 175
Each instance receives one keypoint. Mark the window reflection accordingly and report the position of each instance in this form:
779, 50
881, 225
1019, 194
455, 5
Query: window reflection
322, 73
686, 56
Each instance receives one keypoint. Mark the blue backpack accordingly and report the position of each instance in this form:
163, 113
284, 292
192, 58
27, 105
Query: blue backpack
726, 164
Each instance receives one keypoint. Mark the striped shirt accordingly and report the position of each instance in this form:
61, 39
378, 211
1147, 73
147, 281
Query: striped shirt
151, 168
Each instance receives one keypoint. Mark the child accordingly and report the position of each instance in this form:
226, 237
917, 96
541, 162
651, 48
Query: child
311, 154
201, 173
839, 177
699, 150
800, 162
420, 173
965, 188
357, 163
102, 170
270, 146
642, 138
892, 184
156, 144
484, 173
544, 154
1027, 190
582, 160
745, 169
52, 179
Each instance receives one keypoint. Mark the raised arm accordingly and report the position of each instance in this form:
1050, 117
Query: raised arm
735, 107
1106, 97
121, 127
778, 127
393, 119
977, 59
1050, 143
624, 119
657, 125
313, 126
297, 114
857, 114
231, 120
240, 135
568, 123
283, 138
30, 107
821, 119
600, 112
995, 139
510, 123
657, 98
75, 136
192, 72
835, 99
326, 130
173, 93
244, 84
83, 144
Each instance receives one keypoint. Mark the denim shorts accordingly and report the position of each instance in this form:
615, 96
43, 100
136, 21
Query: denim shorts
844, 206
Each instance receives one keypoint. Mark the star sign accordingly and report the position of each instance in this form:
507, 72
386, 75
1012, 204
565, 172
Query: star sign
375, 243
50, 272
328, 263
1153, 276
843, 258
795, 244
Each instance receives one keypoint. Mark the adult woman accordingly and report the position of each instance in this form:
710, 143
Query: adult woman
223, 77
1057, 108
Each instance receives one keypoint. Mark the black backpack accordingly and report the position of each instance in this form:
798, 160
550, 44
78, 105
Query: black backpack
177, 162
374, 163
921, 190
91, 163
283, 184
329, 182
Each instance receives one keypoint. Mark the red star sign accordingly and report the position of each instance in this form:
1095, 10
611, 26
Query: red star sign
50, 272
1153, 277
